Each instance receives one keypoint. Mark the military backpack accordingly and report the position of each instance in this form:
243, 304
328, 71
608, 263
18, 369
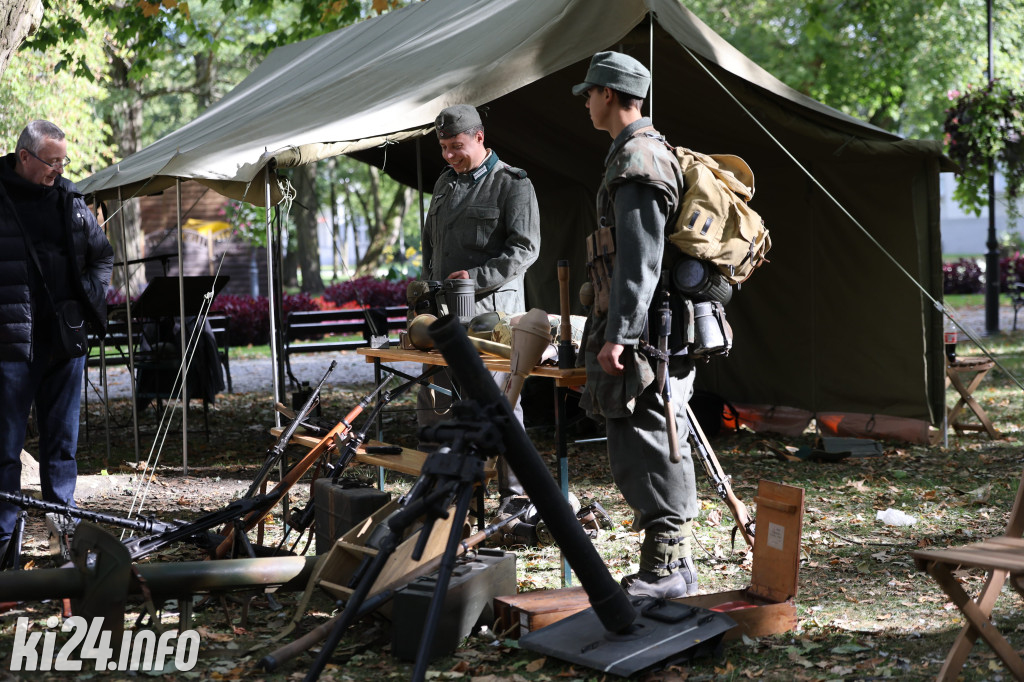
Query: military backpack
715, 223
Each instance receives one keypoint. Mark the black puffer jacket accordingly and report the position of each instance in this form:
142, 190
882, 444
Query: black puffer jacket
94, 260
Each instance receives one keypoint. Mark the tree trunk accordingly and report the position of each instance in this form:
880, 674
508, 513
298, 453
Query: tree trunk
125, 120
389, 229
351, 222
336, 241
18, 20
307, 245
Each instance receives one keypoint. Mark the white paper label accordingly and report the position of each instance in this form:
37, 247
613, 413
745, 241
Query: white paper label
776, 535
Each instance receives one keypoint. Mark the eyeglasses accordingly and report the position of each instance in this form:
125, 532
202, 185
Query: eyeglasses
61, 165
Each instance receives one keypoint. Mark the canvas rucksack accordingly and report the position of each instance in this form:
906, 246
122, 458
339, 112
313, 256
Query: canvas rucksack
715, 223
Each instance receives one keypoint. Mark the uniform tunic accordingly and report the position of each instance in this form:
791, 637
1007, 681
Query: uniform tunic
639, 194
487, 222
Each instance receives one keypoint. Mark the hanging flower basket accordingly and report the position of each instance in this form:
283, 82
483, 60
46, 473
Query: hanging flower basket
985, 135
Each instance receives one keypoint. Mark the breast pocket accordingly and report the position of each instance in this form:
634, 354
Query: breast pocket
483, 222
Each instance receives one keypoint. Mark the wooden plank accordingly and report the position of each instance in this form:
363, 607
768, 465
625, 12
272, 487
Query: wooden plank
408, 461
775, 571
335, 571
576, 376
520, 613
985, 555
530, 611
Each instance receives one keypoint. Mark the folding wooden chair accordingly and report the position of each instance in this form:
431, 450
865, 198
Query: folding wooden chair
1002, 558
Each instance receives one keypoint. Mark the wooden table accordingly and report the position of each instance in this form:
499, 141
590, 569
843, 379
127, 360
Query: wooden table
966, 374
564, 379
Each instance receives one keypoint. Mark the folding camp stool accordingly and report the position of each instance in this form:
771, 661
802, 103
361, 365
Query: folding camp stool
1001, 557
973, 370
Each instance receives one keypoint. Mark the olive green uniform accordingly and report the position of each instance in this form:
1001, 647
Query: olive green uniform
638, 195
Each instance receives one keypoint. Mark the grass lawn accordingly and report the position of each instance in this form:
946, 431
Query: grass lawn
864, 610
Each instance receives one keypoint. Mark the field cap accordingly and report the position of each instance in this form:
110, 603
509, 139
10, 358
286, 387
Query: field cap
456, 119
616, 71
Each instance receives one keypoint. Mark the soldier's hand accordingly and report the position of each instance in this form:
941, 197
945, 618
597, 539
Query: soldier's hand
459, 274
609, 358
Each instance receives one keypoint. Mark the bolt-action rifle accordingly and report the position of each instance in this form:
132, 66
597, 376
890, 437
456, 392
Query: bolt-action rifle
333, 439
719, 479
698, 441
159, 534
276, 451
347, 442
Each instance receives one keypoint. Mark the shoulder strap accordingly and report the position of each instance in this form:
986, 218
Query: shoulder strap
35, 259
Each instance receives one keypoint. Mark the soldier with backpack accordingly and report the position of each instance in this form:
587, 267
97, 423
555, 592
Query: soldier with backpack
638, 199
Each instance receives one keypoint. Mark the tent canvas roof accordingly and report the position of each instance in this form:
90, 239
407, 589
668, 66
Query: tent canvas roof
830, 325
387, 77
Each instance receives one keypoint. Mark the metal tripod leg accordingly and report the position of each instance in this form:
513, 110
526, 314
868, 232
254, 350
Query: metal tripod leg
396, 524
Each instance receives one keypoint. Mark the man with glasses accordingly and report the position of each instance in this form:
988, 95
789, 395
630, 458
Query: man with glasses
51, 250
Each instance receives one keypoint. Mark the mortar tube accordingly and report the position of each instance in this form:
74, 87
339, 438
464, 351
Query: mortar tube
290, 573
610, 602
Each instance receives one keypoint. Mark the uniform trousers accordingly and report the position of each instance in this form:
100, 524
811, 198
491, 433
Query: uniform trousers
662, 494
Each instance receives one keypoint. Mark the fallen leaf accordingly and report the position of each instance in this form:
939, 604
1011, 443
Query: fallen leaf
535, 665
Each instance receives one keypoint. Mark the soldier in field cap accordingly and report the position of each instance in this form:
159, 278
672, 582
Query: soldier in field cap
639, 196
457, 119
483, 225
616, 71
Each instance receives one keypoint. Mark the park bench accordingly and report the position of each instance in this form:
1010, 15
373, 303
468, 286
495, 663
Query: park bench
114, 349
305, 330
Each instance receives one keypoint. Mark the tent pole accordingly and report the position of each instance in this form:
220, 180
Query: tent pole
650, 62
419, 178
128, 318
184, 344
271, 297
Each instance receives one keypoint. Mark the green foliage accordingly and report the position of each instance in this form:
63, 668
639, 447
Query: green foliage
247, 222
134, 26
888, 62
37, 86
984, 136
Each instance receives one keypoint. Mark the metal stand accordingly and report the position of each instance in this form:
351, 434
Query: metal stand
450, 475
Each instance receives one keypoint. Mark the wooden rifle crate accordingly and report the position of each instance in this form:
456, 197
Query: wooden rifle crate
766, 607
341, 569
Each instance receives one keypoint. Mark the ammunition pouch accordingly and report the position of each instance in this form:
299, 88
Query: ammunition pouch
601, 266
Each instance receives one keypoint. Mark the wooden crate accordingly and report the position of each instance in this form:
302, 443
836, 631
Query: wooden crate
336, 570
766, 607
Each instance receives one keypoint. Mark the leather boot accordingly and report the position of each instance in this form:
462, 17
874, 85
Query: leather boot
681, 583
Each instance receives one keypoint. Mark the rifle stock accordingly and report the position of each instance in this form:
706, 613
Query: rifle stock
331, 439
744, 524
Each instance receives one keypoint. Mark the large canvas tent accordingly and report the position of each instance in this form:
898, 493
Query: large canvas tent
836, 323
